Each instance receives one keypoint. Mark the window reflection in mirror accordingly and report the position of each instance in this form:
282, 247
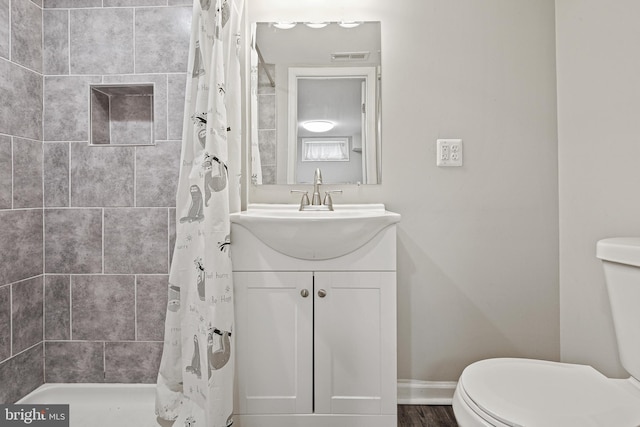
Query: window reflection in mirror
328, 76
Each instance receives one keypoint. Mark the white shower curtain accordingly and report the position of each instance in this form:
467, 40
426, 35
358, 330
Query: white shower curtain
195, 382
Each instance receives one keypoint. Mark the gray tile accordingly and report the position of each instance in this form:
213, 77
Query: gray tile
102, 307
6, 172
26, 34
157, 170
5, 32
131, 119
102, 176
159, 98
74, 362
6, 94
56, 174
71, 3
269, 174
175, 115
27, 313
55, 54
99, 118
57, 307
172, 233
129, 3
27, 103
266, 112
162, 39
267, 143
21, 106
5, 322
135, 240
66, 107
27, 173
151, 306
20, 245
264, 84
101, 41
73, 241
21, 374
132, 362
38, 2
180, 3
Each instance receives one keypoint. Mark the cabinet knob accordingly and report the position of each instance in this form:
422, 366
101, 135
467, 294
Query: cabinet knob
304, 293
322, 293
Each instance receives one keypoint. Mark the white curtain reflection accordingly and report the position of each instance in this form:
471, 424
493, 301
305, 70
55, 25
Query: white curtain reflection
325, 150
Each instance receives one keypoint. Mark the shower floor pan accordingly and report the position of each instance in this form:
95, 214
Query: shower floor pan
101, 405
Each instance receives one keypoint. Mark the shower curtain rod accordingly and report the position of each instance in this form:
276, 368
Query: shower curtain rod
264, 64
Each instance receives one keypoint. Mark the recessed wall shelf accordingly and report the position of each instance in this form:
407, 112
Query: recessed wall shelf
121, 114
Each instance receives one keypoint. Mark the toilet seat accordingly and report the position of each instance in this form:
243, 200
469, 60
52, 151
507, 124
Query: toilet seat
531, 393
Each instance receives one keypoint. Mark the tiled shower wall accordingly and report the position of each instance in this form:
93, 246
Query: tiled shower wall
21, 214
109, 210
103, 217
267, 123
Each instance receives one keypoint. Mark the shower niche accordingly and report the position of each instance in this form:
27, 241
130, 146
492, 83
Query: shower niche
121, 114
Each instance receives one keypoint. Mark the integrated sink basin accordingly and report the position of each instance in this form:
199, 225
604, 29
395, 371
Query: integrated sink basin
315, 235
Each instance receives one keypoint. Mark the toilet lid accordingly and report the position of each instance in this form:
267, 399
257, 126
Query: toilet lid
530, 393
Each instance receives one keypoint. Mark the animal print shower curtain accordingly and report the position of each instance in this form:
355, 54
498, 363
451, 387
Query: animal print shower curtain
195, 382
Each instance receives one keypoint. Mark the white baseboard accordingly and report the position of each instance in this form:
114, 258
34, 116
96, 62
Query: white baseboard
414, 392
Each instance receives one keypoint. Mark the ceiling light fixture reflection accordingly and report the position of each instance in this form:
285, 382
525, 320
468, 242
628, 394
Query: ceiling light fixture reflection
285, 25
318, 126
316, 24
349, 24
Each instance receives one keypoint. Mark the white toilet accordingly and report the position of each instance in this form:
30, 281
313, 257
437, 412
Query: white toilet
536, 393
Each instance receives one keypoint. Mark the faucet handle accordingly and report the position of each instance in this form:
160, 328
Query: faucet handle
305, 198
328, 201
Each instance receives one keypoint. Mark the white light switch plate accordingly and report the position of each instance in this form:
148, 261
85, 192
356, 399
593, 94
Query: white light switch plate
449, 152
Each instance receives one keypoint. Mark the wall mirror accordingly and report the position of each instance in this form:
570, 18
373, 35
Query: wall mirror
315, 102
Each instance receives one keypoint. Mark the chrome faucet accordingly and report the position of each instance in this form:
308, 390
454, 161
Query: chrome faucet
316, 203
328, 201
304, 202
317, 180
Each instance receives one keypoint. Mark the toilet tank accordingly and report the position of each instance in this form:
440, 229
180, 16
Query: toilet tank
621, 261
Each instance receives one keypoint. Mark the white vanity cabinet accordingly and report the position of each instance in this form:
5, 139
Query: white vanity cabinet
315, 339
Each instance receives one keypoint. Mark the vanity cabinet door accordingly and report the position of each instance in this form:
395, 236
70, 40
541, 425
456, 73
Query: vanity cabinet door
274, 322
355, 342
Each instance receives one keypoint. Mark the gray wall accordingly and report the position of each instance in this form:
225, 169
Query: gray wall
21, 244
477, 245
85, 232
598, 111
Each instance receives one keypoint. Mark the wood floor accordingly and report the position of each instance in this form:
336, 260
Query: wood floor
426, 416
